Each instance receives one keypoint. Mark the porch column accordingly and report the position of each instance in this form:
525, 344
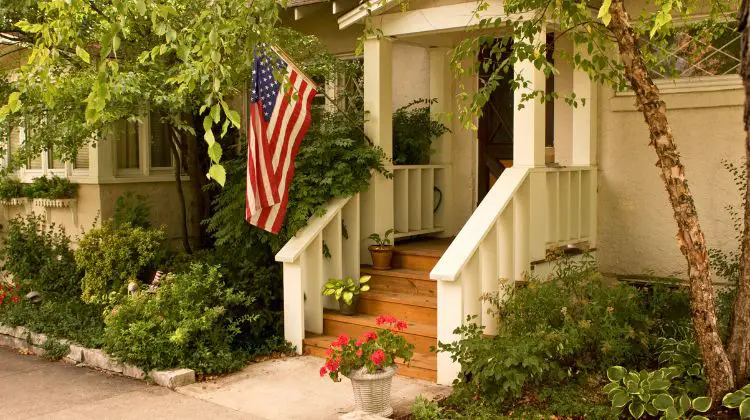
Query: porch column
528, 122
377, 202
584, 119
441, 88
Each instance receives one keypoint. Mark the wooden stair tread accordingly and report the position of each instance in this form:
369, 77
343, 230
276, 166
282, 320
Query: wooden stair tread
420, 360
364, 320
405, 273
401, 298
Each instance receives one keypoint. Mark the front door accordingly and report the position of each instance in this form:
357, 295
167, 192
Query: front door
495, 129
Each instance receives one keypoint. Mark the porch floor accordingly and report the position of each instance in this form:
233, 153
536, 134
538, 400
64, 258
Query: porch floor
405, 291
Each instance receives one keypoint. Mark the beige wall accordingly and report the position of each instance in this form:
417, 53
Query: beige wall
636, 229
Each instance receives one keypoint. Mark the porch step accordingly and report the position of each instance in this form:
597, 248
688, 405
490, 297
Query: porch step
415, 308
414, 260
422, 365
423, 336
401, 280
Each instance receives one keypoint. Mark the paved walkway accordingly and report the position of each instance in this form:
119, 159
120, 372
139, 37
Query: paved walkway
32, 388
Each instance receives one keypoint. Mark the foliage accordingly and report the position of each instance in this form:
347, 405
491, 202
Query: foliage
132, 209
51, 188
647, 392
424, 409
39, 257
190, 321
10, 188
183, 58
347, 289
59, 317
9, 293
569, 326
413, 133
375, 350
55, 350
739, 399
112, 256
381, 241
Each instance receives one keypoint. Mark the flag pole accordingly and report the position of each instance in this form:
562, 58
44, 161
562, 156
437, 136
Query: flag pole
278, 50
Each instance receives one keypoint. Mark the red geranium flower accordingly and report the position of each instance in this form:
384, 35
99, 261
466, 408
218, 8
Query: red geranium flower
377, 357
15, 299
385, 319
360, 341
401, 325
359, 353
323, 371
341, 341
371, 335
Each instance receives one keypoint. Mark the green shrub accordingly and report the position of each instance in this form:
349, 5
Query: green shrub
133, 210
424, 409
191, 321
111, 256
413, 133
10, 188
51, 188
570, 326
39, 257
55, 350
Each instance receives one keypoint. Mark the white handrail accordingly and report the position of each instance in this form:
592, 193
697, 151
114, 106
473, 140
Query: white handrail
292, 250
479, 225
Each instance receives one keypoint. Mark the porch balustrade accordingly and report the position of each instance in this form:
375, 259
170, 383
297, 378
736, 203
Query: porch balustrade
420, 198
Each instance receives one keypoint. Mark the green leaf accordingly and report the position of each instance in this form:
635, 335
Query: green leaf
14, 101
619, 399
218, 174
348, 296
659, 384
636, 409
216, 113
733, 399
83, 54
115, 43
209, 137
364, 279
745, 408
662, 402
604, 14
616, 373
699, 418
214, 152
702, 404
671, 414
365, 288
611, 387
685, 403
234, 117
650, 409
140, 6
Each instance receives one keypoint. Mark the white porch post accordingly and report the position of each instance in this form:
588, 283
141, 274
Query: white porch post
584, 143
441, 88
377, 202
528, 151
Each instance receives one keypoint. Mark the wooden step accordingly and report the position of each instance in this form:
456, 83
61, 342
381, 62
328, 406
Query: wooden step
401, 280
422, 365
414, 259
423, 336
415, 308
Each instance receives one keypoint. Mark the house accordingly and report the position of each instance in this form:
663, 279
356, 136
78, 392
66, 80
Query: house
132, 157
573, 177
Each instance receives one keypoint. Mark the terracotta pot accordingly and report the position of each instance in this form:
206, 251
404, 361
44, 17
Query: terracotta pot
381, 256
349, 309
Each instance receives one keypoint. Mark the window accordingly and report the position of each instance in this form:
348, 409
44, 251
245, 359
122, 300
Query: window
696, 51
53, 162
161, 152
82, 158
125, 135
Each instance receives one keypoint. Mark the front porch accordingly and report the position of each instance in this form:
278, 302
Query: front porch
531, 208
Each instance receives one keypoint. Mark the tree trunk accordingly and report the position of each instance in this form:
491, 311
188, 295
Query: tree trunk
690, 236
180, 193
197, 173
739, 338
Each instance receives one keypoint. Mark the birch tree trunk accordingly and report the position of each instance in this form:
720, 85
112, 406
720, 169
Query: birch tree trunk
739, 338
690, 236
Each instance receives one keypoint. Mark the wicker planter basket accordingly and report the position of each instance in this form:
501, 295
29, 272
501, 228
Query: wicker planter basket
372, 391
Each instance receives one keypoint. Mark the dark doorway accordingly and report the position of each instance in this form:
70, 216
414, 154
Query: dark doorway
495, 128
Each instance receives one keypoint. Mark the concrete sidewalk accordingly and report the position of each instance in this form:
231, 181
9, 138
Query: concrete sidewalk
291, 388
32, 388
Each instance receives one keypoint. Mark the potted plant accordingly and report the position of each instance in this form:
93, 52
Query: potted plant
382, 251
346, 292
370, 363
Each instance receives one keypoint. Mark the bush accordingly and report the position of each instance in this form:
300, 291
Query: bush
39, 256
133, 210
424, 409
112, 256
191, 321
413, 133
51, 188
10, 188
549, 332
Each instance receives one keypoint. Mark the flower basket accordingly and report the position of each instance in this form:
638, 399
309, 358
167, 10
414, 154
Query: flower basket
372, 391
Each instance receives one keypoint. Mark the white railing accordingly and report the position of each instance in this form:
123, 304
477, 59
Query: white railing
327, 247
417, 191
526, 212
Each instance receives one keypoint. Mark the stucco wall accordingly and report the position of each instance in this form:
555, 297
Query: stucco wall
636, 229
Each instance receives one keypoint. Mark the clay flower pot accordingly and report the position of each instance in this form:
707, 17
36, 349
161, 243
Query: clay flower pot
381, 256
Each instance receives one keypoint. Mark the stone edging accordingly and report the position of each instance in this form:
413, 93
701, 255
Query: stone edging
23, 339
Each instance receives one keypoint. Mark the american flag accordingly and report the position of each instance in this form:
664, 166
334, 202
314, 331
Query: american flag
278, 119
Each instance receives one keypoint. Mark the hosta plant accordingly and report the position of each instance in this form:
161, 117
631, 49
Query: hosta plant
647, 392
345, 290
739, 399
